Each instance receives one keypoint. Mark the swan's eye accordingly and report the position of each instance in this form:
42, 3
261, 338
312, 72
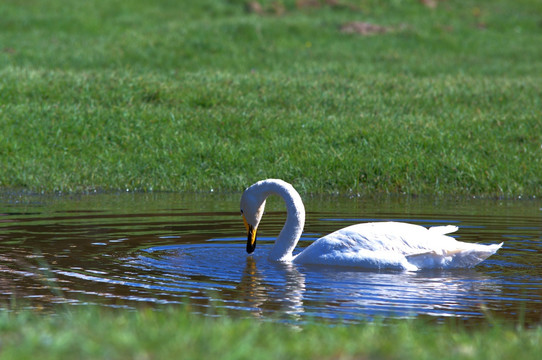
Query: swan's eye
241, 211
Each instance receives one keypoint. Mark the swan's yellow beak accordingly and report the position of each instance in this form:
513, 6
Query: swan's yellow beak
251, 236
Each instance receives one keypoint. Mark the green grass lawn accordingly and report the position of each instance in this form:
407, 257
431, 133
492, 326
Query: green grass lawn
200, 95
92, 333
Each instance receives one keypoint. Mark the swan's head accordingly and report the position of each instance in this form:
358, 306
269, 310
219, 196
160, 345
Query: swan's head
252, 206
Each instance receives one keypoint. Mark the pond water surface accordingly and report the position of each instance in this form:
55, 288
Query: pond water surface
132, 250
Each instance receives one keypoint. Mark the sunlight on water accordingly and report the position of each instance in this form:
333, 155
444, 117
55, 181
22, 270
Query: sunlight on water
129, 250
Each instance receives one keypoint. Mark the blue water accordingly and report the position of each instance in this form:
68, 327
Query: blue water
131, 250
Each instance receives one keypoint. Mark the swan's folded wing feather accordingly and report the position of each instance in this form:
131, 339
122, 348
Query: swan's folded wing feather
447, 229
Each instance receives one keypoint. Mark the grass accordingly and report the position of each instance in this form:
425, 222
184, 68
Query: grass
99, 333
200, 95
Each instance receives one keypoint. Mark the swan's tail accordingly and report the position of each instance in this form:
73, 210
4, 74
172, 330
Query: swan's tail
473, 256
452, 259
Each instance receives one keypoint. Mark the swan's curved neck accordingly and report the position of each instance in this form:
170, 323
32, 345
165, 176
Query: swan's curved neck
295, 219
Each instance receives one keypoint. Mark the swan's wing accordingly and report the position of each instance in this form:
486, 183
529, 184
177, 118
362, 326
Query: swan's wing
369, 245
398, 237
443, 229
394, 245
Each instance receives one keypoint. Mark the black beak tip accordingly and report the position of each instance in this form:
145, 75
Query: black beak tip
251, 239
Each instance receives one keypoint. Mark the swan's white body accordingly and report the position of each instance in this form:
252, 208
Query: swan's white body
376, 245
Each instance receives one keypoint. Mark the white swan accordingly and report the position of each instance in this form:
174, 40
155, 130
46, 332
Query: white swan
376, 245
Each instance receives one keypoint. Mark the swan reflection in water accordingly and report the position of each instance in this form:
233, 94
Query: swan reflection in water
214, 275
261, 287
350, 293
284, 294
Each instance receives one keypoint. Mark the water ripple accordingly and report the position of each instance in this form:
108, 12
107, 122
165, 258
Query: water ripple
153, 249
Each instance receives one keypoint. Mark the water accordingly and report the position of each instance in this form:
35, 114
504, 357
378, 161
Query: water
132, 250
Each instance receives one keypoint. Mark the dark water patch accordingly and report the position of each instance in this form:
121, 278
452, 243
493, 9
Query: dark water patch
129, 250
